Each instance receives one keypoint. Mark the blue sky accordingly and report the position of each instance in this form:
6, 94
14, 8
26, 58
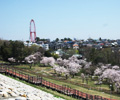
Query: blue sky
79, 19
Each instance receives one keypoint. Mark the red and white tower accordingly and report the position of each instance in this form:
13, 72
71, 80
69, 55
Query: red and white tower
32, 31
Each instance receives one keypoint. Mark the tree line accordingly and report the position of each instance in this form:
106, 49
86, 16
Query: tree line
104, 55
17, 50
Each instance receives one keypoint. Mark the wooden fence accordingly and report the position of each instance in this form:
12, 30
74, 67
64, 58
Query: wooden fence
78, 84
37, 80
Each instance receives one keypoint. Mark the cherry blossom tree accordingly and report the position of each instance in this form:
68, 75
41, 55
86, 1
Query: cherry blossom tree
12, 60
66, 73
87, 65
98, 72
73, 65
83, 77
66, 62
73, 59
112, 76
60, 62
30, 60
48, 61
117, 86
55, 67
73, 68
82, 62
116, 67
33, 58
38, 56
104, 67
61, 70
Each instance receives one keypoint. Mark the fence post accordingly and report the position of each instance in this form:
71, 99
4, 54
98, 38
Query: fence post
11, 72
61, 89
15, 73
27, 77
23, 76
67, 89
37, 80
31, 79
5, 70
86, 96
8, 71
1, 68
20, 74
48, 84
81, 94
41, 80
75, 93
91, 97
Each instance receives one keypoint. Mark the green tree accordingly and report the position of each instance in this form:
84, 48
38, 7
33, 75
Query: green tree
37, 39
47, 53
6, 51
57, 39
55, 56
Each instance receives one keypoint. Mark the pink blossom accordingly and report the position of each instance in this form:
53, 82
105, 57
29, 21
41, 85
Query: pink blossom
30, 59
11, 59
98, 71
48, 61
115, 67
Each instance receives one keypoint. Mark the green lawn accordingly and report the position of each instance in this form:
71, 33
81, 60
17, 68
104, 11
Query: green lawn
93, 92
46, 71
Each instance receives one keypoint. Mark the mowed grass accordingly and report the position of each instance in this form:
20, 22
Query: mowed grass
48, 70
88, 91
77, 79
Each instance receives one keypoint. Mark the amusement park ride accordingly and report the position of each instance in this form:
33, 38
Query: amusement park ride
32, 39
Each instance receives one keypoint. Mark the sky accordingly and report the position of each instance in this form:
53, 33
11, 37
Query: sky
78, 19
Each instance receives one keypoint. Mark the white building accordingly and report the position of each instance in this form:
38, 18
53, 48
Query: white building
45, 46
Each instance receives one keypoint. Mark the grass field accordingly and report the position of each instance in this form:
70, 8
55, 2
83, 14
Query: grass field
47, 72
